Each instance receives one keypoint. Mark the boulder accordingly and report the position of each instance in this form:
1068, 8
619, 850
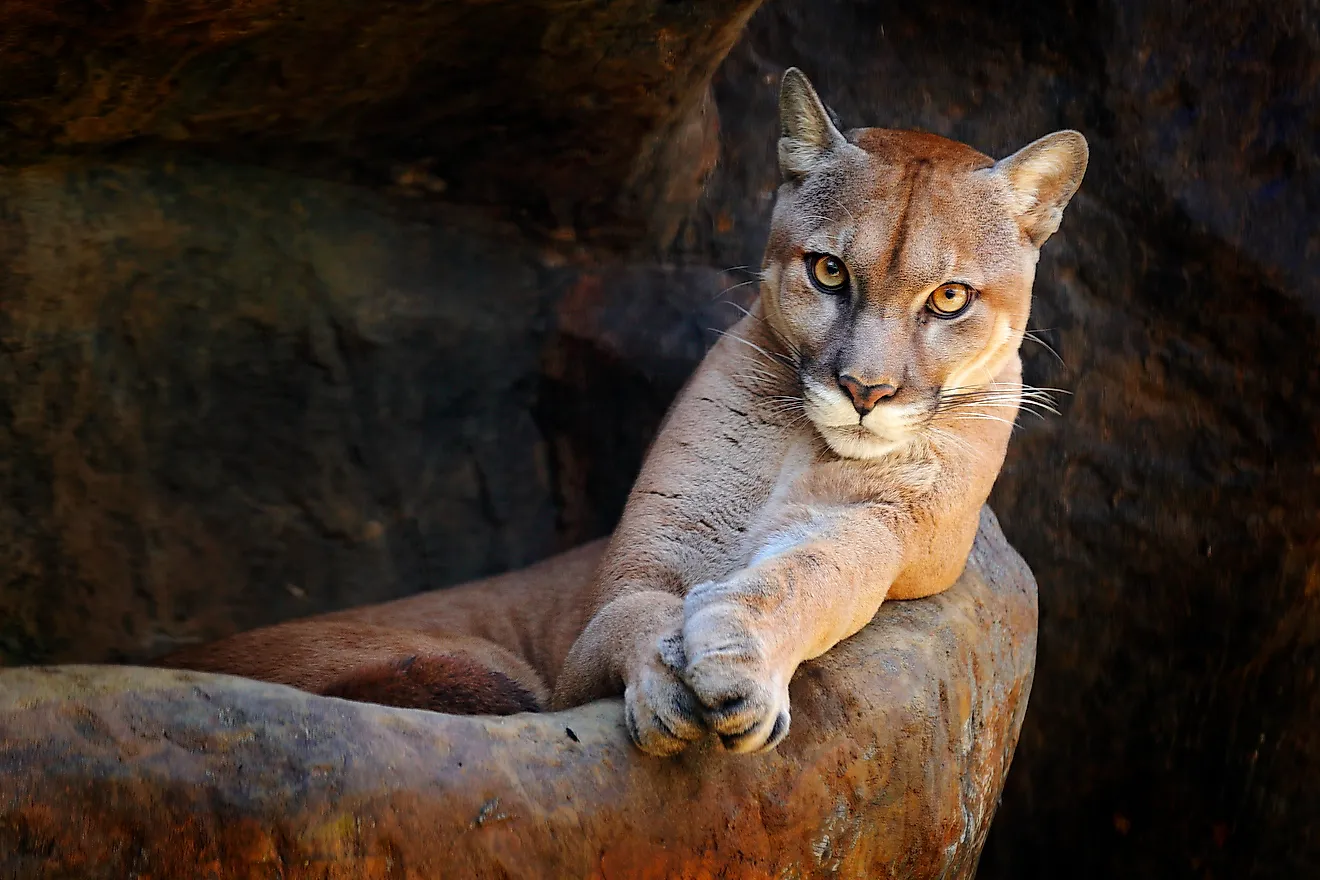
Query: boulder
901, 740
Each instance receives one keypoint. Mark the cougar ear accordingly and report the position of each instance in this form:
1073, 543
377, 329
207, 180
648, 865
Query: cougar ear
807, 136
1041, 178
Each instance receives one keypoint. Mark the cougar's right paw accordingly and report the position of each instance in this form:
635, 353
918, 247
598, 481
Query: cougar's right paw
661, 713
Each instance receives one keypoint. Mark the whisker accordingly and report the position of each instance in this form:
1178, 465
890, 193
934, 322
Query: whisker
1028, 404
951, 438
756, 375
1026, 397
1020, 385
797, 419
1040, 413
1035, 400
985, 417
735, 287
751, 360
775, 358
1045, 345
788, 344
1005, 402
1035, 396
842, 205
1032, 412
740, 307
1034, 336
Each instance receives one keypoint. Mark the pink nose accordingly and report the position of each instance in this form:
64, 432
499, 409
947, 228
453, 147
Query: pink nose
865, 397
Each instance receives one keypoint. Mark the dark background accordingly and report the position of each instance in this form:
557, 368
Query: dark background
309, 304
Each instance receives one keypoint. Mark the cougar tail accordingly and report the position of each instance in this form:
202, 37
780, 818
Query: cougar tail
461, 675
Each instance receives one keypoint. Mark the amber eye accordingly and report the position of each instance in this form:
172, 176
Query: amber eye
949, 300
827, 273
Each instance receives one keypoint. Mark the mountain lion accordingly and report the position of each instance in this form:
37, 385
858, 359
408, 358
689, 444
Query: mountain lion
832, 451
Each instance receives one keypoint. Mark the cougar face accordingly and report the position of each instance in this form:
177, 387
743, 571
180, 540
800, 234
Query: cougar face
899, 267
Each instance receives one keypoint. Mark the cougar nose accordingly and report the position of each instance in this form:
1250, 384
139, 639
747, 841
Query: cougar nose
865, 397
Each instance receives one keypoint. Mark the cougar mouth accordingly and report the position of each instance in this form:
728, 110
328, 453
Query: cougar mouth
888, 427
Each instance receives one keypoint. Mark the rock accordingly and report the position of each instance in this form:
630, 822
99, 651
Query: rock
901, 739
239, 396
574, 113
253, 397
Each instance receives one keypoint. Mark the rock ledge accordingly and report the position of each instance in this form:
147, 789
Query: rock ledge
901, 740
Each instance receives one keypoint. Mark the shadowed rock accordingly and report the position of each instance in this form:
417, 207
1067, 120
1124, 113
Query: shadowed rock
573, 112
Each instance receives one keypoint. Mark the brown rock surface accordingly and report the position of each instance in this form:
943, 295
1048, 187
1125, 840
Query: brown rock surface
230, 396
901, 740
435, 96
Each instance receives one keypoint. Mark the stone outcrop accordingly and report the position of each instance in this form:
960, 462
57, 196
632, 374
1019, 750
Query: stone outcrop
901, 740
569, 112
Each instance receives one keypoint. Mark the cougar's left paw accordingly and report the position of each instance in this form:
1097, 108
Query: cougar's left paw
742, 699
660, 712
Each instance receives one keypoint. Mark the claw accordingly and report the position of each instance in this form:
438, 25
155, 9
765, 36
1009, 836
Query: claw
730, 706
671, 652
661, 713
778, 732
630, 722
735, 734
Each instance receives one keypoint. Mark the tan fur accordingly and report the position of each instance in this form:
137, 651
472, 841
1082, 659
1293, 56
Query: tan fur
772, 516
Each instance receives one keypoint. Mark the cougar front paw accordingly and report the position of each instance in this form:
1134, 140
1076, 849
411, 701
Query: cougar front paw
742, 698
661, 713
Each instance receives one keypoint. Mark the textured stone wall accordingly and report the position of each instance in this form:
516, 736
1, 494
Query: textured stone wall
568, 113
233, 396
292, 319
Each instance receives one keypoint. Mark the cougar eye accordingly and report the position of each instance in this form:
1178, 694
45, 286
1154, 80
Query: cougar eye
950, 300
827, 272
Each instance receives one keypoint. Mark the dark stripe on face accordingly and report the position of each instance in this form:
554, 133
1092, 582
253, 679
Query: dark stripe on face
913, 176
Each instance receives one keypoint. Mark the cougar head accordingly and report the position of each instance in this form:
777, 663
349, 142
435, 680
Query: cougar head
899, 266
